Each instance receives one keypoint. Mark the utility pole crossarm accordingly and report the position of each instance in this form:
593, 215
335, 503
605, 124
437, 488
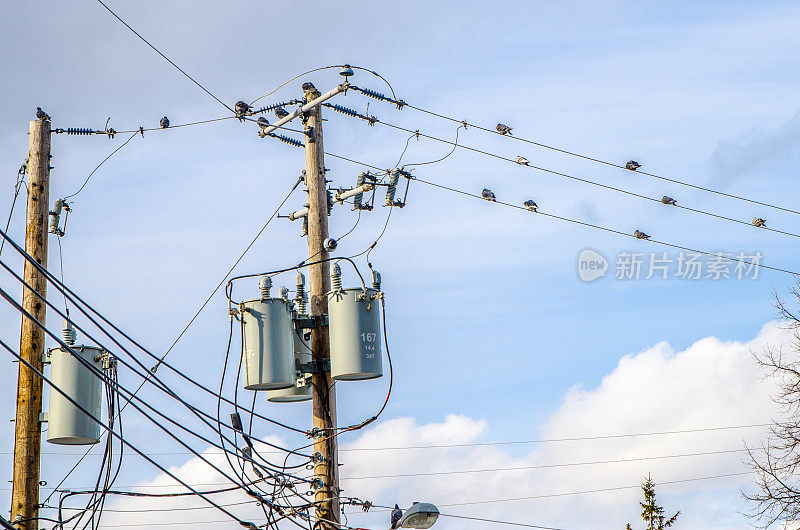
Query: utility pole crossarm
312, 104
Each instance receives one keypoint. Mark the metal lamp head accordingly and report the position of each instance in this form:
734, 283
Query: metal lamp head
420, 515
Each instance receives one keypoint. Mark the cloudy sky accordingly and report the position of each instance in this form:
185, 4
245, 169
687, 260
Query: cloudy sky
493, 335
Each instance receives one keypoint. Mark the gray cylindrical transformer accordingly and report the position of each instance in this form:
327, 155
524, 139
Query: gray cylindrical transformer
66, 423
355, 333
267, 345
302, 355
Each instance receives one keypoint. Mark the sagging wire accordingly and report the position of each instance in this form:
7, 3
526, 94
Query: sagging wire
21, 174
103, 425
100, 164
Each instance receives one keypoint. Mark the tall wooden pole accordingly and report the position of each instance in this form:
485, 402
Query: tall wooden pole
27, 436
327, 507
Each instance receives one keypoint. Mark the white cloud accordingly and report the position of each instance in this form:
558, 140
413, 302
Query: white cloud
711, 383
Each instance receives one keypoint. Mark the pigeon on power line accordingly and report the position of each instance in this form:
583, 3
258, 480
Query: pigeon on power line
503, 129
669, 200
164, 122
395, 516
632, 165
532, 206
759, 223
521, 160
281, 112
640, 235
488, 195
241, 108
42, 115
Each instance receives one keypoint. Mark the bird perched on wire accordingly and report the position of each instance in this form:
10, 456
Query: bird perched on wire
42, 115
394, 517
632, 165
488, 195
262, 122
669, 200
759, 223
281, 112
532, 206
164, 123
242, 109
521, 160
503, 129
640, 235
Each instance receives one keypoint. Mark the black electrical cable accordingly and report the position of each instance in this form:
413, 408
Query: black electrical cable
101, 375
160, 384
75, 299
105, 426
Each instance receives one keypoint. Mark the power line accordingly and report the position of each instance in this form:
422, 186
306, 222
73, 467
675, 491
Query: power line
585, 157
192, 79
600, 490
579, 179
100, 164
496, 521
549, 466
611, 230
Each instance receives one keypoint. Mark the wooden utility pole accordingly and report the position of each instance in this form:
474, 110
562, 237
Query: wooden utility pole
27, 436
324, 394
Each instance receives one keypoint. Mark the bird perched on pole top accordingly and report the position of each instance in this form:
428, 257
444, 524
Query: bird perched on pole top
759, 223
394, 517
521, 160
164, 122
640, 235
42, 115
632, 165
488, 195
532, 206
281, 112
669, 200
310, 91
503, 129
242, 109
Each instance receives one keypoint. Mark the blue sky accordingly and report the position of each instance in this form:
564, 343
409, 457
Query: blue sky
487, 318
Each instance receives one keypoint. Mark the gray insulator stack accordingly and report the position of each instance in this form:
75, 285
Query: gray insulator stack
300, 295
304, 227
357, 198
265, 284
336, 277
376, 280
330, 201
68, 333
394, 178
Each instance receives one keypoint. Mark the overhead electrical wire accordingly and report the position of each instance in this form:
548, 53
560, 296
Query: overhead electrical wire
597, 227
586, 157
21, 173
113, 433
181, 70
100, 164
579, 179
586, 224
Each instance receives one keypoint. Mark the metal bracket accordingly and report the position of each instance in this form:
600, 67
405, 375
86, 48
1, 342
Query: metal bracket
43, 417
310, 322
320, 365
46, 356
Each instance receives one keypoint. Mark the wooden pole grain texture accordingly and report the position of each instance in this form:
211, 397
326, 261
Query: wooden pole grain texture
324, 394
27, 435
